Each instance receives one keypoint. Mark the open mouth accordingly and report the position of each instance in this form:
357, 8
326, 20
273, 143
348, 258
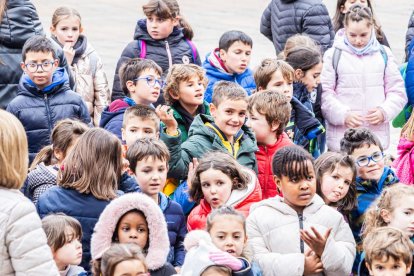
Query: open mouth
231, 251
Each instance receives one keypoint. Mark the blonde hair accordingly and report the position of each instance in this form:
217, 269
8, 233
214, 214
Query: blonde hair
407, 130
268, 67
64, 13
389, 199
298, 40
388, 242
14, 155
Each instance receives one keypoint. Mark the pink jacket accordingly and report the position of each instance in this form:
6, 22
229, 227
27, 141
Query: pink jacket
404, 164
360, 86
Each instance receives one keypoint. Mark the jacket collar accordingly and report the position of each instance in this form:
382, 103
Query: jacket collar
60, 80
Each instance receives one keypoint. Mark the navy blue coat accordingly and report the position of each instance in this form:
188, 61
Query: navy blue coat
112, 121
84, 207
39, 110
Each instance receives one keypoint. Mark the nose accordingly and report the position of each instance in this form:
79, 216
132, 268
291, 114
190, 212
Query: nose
133, 234
78, 244
305, 184
341, 185
213, 189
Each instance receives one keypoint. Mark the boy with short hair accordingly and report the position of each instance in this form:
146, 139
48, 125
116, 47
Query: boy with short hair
230, 62
224, 130
269, 112
141, 82
44, 96
148, 159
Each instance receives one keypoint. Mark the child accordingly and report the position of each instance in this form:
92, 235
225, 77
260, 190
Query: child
84, 61
304, 236
87, 182
335, 181
219, 180
353, 95
134, 218
269, 113
23, 243
342, 7
393, 208
64, 235
123, 259
230, 62
164, 37
141, 83
388, 252
227, 229
44, 95
283, 19
404, 163
225, 130
45, 167
148, 159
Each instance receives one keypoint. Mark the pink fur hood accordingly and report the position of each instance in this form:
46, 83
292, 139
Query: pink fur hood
159, 244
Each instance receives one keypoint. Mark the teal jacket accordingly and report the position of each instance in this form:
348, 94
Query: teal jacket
202, 139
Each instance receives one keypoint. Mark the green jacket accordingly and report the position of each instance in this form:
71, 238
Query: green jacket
202, 139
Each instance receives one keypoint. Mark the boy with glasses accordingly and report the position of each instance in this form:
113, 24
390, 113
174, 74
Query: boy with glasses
44, 96
141, 83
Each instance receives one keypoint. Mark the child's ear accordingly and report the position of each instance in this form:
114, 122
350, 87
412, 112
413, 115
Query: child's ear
81, 30
260, 89
174, 96
23, 66
385, 215
123, 134
52, 30
278, 182
56, 63
275, 126
58, 154
342, 8
130, 86
369, 268
408, 270
176, 21
223, 54
299, 74
213, 109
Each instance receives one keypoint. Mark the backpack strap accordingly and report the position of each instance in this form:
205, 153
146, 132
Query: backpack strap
384, 56
143, 48
193, 49
335, 61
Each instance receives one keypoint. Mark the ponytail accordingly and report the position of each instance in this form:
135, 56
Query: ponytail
187, 29
45, 156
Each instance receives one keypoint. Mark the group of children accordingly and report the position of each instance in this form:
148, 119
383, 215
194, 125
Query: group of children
214, 171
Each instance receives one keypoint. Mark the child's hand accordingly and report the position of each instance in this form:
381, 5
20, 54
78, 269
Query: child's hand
192, 167
166, 116
353, 120
313, 263
316, 243
375, 116
225, 259
69, 52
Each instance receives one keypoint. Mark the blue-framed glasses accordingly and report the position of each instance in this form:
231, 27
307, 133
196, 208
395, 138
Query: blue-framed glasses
151, 81
45, 65
375, 157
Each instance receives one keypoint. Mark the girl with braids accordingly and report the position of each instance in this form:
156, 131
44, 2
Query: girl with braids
304, 236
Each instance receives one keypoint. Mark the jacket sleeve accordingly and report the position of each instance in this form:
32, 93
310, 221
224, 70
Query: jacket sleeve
332, 109
246, 270
271, 263
102, 95
410, 34
27, 244
179, 250
266, 23
394, 88
318, 25
84, 114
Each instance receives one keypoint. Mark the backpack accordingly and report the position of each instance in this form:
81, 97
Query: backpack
143, 46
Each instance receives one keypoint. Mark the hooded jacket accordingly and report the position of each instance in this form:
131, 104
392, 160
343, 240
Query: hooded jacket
216, 71
285, 18
276, 243
158, 248
172, 50
113, 116
241, 200
358, 85
410, 34
39, 110
201, 139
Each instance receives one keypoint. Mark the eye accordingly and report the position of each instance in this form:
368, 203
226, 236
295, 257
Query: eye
335, 177
125, 229
219, 183
347, 183
205, 185
142, 230
395, 267
294, 180
309, 177
220, 237
148, 131
229, 112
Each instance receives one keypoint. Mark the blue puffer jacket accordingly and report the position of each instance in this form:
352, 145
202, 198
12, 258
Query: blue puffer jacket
177, 229
112, 121
84, 207
39, 110
216, 72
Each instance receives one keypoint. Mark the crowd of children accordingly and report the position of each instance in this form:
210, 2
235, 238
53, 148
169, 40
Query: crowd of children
214, 168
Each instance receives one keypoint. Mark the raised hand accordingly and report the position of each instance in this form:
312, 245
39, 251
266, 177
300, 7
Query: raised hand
165, 113
192, 167
69, 52
315, 241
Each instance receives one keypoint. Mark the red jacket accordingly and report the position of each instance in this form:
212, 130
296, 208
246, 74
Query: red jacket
241, 200
264, 163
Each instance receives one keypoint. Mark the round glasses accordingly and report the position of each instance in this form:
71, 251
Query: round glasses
364, 160
151, 81
45, 65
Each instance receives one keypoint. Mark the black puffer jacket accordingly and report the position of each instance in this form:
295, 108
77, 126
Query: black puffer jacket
410, 34
284, 18
20, 22
157, 50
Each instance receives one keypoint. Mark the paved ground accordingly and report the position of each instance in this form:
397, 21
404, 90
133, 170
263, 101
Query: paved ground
109, 24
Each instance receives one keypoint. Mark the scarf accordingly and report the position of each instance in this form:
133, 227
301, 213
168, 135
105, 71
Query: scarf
372, 46
187, 117
79, 47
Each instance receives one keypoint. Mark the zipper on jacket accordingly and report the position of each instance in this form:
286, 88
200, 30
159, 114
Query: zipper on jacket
302, 245
48, 113
167, 47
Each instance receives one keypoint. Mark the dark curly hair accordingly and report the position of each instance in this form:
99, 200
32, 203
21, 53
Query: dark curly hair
355, 138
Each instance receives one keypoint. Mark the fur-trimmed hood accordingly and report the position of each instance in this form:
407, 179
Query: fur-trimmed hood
159, 244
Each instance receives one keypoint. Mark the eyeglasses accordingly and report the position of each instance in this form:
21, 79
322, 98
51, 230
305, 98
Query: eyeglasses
45, 65
151, 81
375, 157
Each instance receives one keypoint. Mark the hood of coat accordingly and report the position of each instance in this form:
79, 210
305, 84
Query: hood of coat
253, 191
141, 33
159, 244
60, 82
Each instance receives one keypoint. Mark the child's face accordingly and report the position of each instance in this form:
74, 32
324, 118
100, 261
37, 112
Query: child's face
67, 31
151, 174
349, 3
265, 133
133, 228
137, 128
403, 215
71, 252
216, 187
281, 85
130, 268
143, 91
311, 78
229, 116
159, 28
214, 271
335, 184
191, 92
298, 193
45, 64
228, 234
374, 170
358, 33
388, 267
237, 57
